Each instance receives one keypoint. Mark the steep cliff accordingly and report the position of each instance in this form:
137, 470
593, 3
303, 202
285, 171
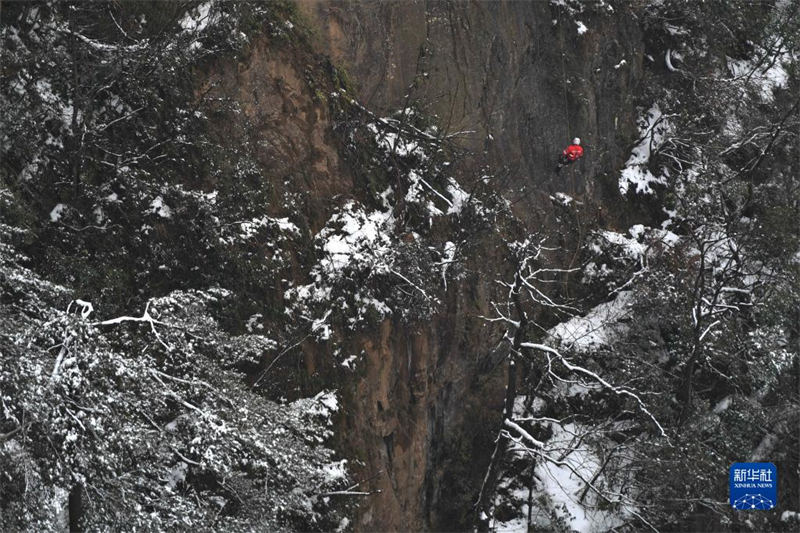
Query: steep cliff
511, 82
307, 265
516, 79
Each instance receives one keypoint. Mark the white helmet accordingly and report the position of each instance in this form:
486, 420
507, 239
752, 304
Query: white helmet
576, 140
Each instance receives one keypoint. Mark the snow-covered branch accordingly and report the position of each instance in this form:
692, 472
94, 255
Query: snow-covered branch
580, 370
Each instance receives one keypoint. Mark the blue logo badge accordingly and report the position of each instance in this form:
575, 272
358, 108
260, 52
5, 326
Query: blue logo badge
753, 486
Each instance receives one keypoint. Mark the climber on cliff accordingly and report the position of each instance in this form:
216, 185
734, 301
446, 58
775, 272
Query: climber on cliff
571, 153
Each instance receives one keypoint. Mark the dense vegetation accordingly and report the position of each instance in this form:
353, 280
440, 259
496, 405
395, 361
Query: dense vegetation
181, 314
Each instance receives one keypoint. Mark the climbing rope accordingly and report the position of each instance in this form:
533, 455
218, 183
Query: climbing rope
563, 73
578, 214
571, 171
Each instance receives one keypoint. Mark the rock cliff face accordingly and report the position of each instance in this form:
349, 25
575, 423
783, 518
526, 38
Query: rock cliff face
519, 77
405, 412
515, 81
259, 166
512, 82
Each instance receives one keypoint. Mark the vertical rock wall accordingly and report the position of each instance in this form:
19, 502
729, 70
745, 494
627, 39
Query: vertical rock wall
518, 71
517, 80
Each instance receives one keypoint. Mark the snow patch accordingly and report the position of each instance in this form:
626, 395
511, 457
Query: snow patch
335, 472
563, 484
161, 209
250, 227
562, 199
359, 231
766, 79
722, 405
197, 19
601, 326
653, 128
459, 196
350, 362
57, 212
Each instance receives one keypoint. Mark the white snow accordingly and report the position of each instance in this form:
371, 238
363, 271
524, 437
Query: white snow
640, 242
722, 405
458, 195
562, 486
766, 78
581, 27
391, 142
321, 327
561, 198
350, 362
197, 19
335, 472
653, 129
329, 401
254, 322
448, 254
352, 240
158, 207
631, 247
360, 233
55, 214
249, 228
416, 194
601, 326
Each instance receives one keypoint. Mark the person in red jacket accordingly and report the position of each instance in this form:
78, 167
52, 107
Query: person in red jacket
571, 153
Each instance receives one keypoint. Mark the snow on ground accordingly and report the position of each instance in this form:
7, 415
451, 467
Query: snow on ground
518, 524
581, 27
601, 326
653, 129
560, 490
562, 486
766, 78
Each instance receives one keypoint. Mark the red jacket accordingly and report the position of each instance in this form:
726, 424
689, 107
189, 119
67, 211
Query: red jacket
573, 152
